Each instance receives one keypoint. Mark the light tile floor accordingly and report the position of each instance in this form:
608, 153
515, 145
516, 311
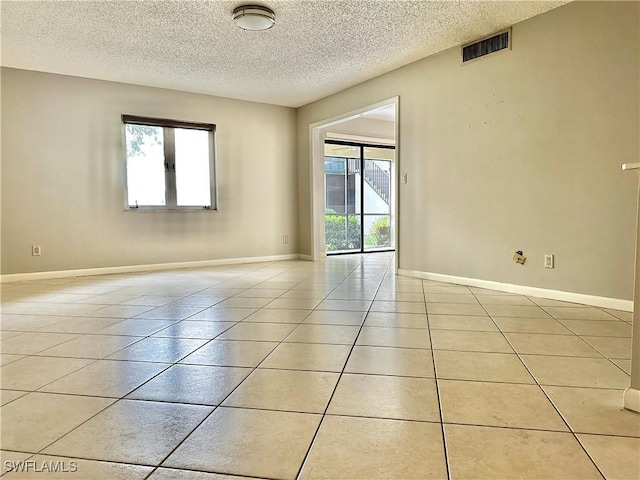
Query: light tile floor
305, 370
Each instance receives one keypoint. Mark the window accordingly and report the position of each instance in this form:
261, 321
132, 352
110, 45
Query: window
170, 164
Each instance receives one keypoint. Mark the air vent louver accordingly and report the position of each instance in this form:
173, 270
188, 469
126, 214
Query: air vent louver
484, 47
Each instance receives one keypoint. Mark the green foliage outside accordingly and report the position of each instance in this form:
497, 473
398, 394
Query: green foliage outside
137, 135
342, 232
379, 234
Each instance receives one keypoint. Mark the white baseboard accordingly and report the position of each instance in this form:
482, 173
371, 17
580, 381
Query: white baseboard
632, 399
595, 301
308, 258
84, 272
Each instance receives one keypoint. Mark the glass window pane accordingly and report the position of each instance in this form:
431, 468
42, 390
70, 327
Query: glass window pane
377, 231
145, 165
377, 186
375, 153
193, 186
335, 194
342, 195
346, 151
342, 232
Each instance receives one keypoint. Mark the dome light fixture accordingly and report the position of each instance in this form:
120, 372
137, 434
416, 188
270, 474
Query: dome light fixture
254, 17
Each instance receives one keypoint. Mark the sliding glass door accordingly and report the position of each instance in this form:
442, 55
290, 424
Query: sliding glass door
377, 198
343, 222
358, 197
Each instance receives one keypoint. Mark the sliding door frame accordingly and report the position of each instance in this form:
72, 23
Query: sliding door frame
361, 146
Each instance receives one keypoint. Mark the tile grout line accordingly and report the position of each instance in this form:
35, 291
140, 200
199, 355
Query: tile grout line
336, 286
215, 407
31, 454
181, 359
116, 400
177, 362
96, 360
435, 374
228, 395
86, 395
335, 388
580, 336
544, 392
116, 462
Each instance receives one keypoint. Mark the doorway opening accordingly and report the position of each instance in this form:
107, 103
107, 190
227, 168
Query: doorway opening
358, 197
350, 139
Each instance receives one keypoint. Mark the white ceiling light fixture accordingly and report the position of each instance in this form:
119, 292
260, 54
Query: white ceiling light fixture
254, 17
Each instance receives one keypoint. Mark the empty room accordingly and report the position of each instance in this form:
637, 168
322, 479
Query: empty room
330, 239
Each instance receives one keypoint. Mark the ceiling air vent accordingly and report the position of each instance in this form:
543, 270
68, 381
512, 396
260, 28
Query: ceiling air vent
492, 44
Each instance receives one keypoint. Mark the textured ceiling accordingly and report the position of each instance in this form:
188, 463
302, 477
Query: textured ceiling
315, 49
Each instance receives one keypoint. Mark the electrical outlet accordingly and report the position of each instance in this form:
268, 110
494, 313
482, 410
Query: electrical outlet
285, 238
36, 251
548, 261
403, 178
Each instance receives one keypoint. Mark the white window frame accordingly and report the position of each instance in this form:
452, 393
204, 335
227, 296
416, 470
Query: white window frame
169, 127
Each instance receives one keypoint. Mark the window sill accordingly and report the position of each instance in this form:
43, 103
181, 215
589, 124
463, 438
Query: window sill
162, 209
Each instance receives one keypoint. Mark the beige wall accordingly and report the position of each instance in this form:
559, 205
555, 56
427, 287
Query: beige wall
517, 151
63, 177
521, 150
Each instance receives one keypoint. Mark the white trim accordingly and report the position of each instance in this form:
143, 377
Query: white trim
85, 272
316, 180
396, 188
632, 399
360, 139
592, 300
308, 258
317, 131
